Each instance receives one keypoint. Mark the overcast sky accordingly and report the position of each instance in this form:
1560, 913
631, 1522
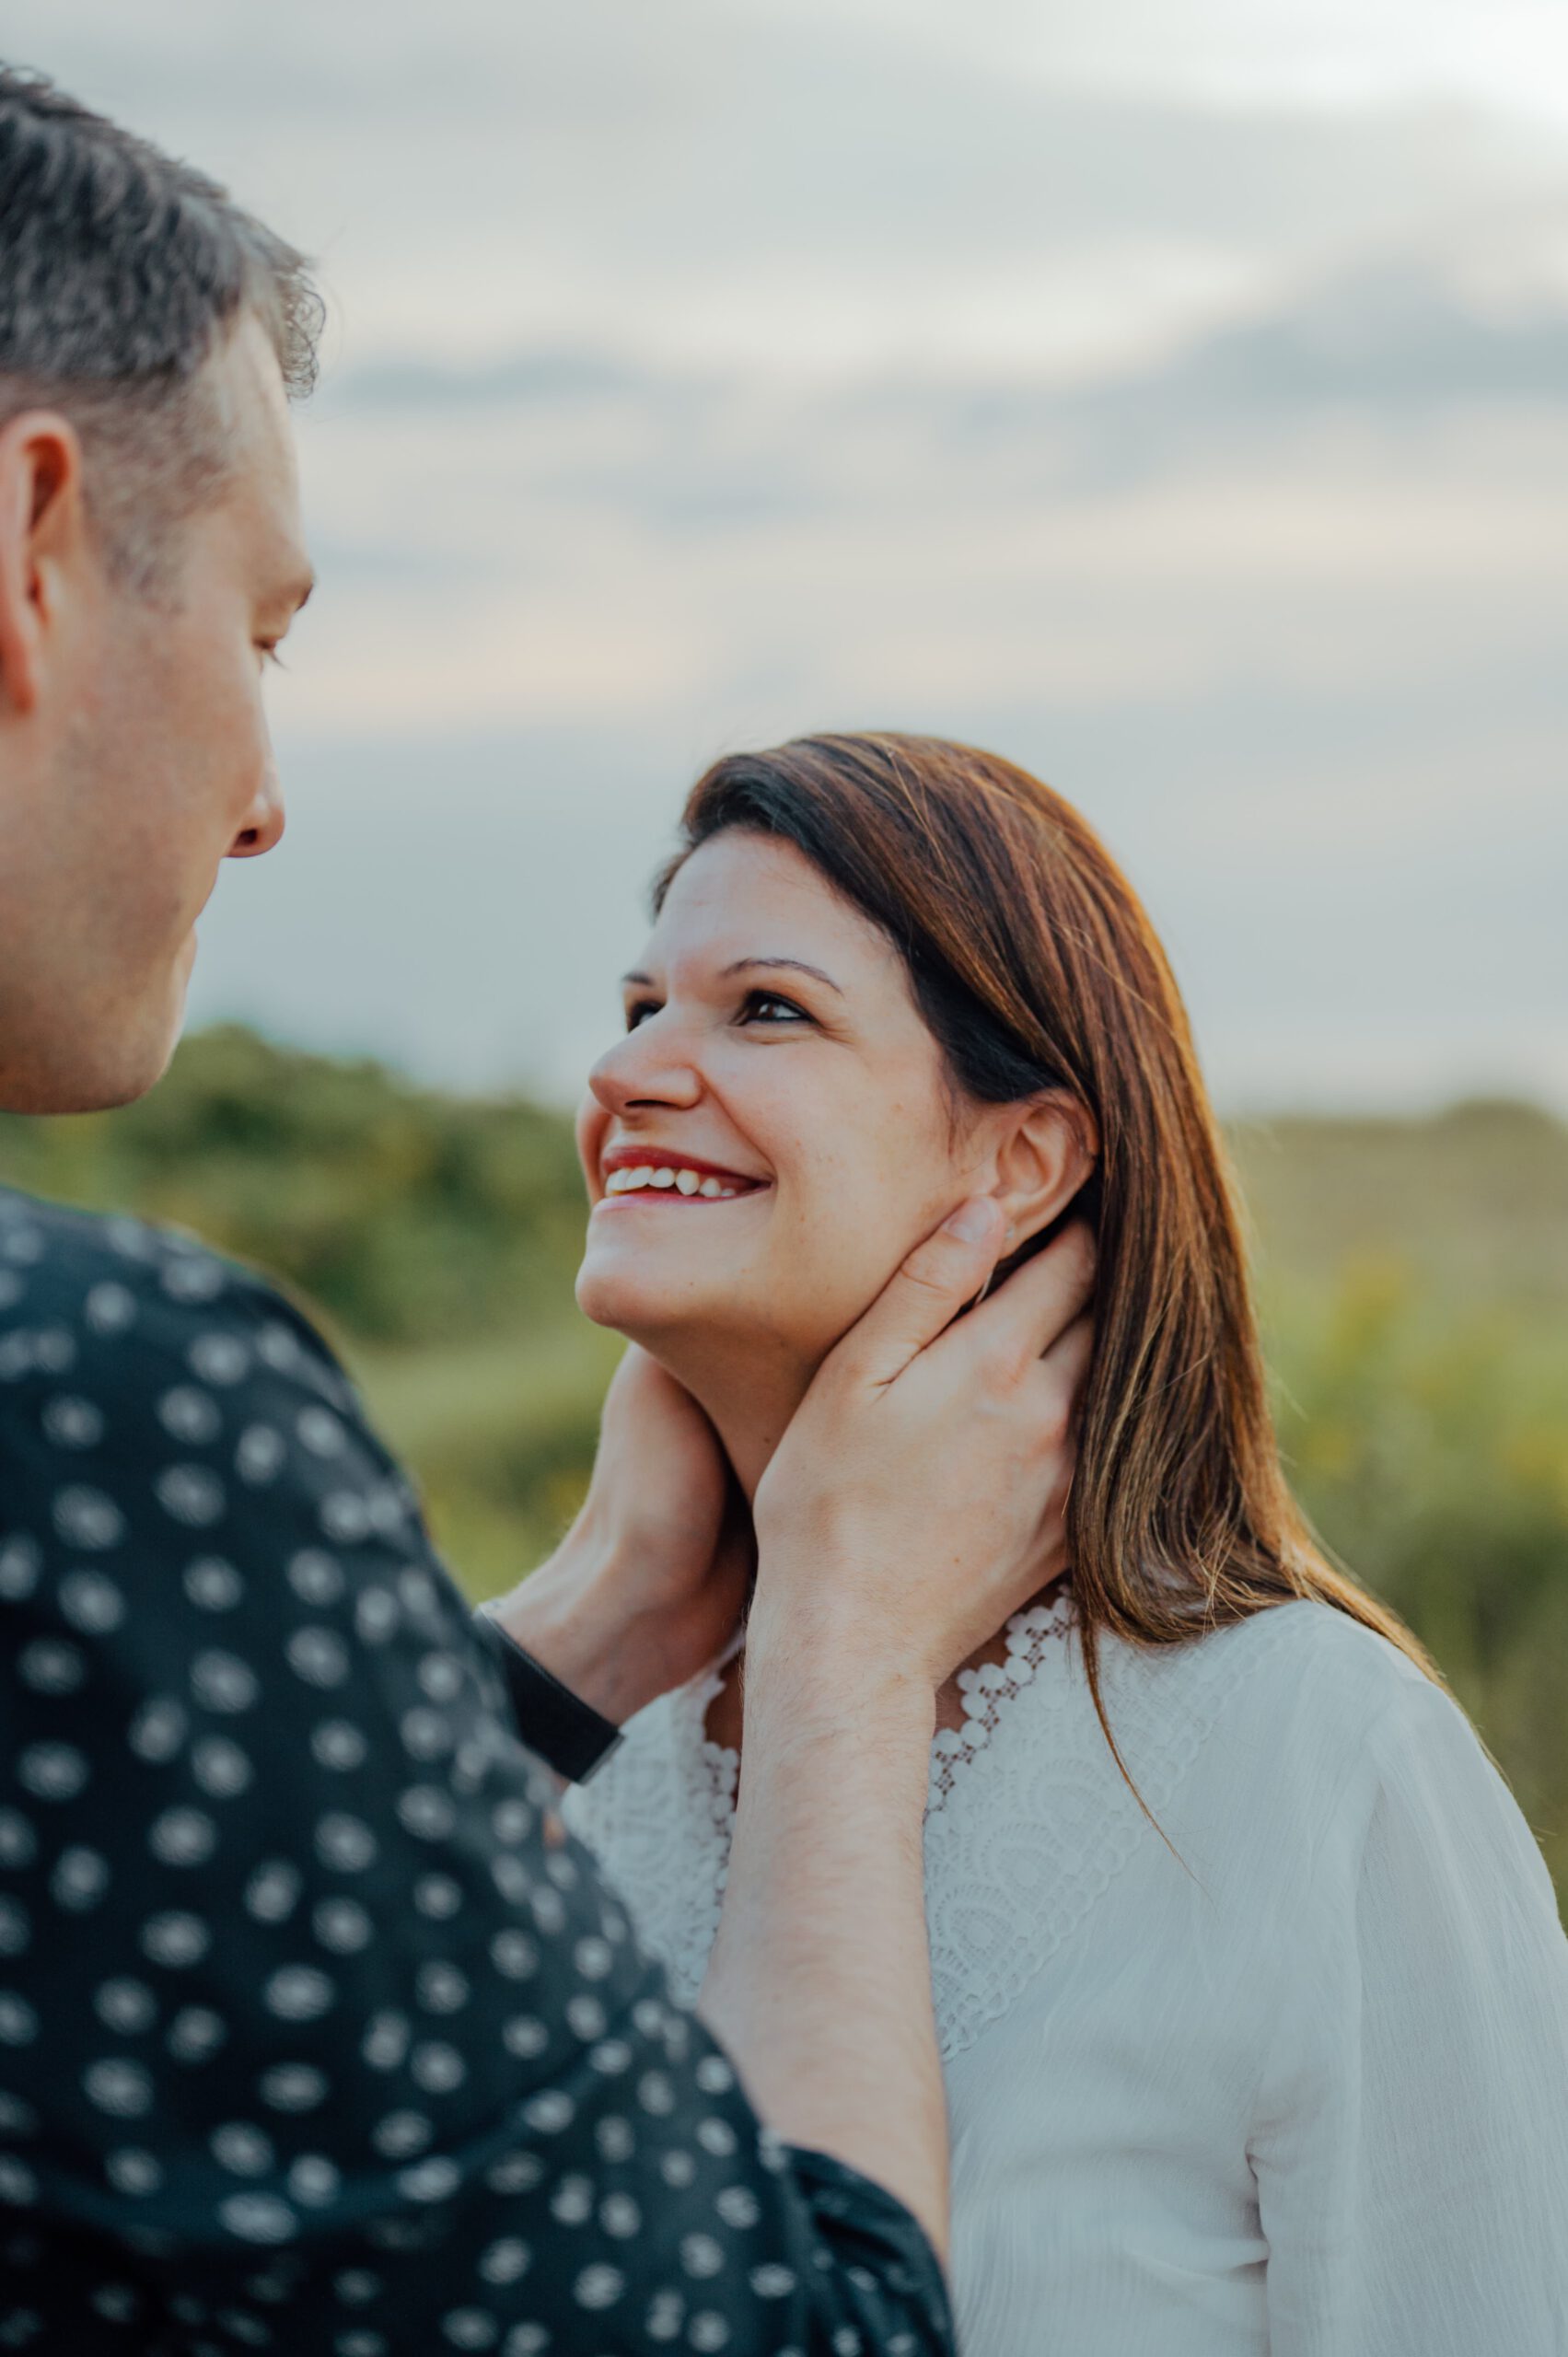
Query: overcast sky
1170, 393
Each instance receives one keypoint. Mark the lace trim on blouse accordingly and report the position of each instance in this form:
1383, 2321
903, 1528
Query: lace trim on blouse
1029, 1820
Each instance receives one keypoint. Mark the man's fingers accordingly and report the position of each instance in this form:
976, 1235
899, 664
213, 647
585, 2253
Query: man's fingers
1037, 1304
1064, 1371
927, 1290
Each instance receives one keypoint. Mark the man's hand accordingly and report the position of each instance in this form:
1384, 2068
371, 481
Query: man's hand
648, 1584
918, 1495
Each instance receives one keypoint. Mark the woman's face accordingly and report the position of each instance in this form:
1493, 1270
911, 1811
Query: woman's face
775, 1114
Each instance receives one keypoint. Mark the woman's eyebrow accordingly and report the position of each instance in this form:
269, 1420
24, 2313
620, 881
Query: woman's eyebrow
793, 965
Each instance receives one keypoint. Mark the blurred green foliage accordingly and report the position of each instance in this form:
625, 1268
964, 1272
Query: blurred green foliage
1413, 1276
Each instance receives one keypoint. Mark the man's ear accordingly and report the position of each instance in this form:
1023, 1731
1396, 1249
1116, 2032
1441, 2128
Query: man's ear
1047, 1153
42, 529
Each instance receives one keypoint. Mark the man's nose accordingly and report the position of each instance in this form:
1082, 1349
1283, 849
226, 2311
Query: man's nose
264, 824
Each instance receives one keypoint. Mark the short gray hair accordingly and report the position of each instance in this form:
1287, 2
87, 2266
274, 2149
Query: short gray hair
122, 272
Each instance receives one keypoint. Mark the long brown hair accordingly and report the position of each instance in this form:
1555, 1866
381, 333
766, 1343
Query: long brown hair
1037, 970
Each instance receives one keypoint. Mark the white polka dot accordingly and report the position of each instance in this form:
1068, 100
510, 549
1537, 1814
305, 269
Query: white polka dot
18, 1843
512, 1878
315, 1578
620, 2216
258, 2218
425, 1733
655, 2094
708, 2331
714, 2075
242, 2149
320, 1432
192, 1494
355, 2284
80, 1878
195, 2033
344, 1842
585, 2018
470, 2329
342, 1925
124, 2005
292, 2086
598, 2287
666, 2313
221, 1681
213, 1584
345, 1516
91, 1602
525, 2036
436, 2068
17, 2184
317, 1655
53, 1772
737, 2206
21, 1561
547, 1906
272, 1892
401, 2135
219, 1358
175, 1939
426, 1813
192, 1417
677, 2170
436, 1896
16, 1927
375, 1615
86, 1518
441, 1987
386, 2041
506, 2261
298, 1993
19, 2022
193, 1276
516, 2172
338, 1745
614, 2138
433, 2180
440, 1675
313, 2179
611, 2058
259, 1454
122, 2088
157, 1730
573, 2202
110, 1308
51, 1665
220, 1767
716, 2136
773, 2282
700, 2255
550, 2111
183, 1837
514, 1956
72, 1422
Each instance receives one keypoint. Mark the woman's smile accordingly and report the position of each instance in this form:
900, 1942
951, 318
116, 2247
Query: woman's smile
653, 1174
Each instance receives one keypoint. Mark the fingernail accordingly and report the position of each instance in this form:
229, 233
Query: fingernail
974, 1221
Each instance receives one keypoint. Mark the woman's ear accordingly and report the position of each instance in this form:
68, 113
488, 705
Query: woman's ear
1047, 1153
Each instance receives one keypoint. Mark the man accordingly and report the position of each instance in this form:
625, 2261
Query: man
314, 2030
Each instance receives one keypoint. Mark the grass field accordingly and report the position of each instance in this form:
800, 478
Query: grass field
1413, 1276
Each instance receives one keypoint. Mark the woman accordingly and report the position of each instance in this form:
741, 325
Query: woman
1252, 1996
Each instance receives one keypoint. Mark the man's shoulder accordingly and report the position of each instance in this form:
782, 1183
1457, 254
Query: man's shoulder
74, 1281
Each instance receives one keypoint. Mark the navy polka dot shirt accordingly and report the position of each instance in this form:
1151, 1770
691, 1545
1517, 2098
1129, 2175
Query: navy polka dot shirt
317, 2033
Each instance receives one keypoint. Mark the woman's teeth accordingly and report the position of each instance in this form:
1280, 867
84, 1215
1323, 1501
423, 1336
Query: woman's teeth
685, 1183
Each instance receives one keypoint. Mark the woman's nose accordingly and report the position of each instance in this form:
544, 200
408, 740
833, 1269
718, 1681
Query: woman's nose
262, 829
649, 1066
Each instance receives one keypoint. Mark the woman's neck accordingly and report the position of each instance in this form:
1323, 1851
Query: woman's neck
749, 1391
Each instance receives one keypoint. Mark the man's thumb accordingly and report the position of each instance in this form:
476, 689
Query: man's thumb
927, 1290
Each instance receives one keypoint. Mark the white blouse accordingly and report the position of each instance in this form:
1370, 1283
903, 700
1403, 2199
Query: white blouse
1300, 2088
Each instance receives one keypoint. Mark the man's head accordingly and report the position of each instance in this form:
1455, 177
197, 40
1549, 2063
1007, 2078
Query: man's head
151, 558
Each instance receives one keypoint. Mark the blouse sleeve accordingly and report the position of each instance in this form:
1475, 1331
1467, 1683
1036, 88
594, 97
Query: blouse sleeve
1411, 2147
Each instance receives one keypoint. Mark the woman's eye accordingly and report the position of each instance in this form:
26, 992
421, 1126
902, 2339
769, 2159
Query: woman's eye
639, 1011
768, 1007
